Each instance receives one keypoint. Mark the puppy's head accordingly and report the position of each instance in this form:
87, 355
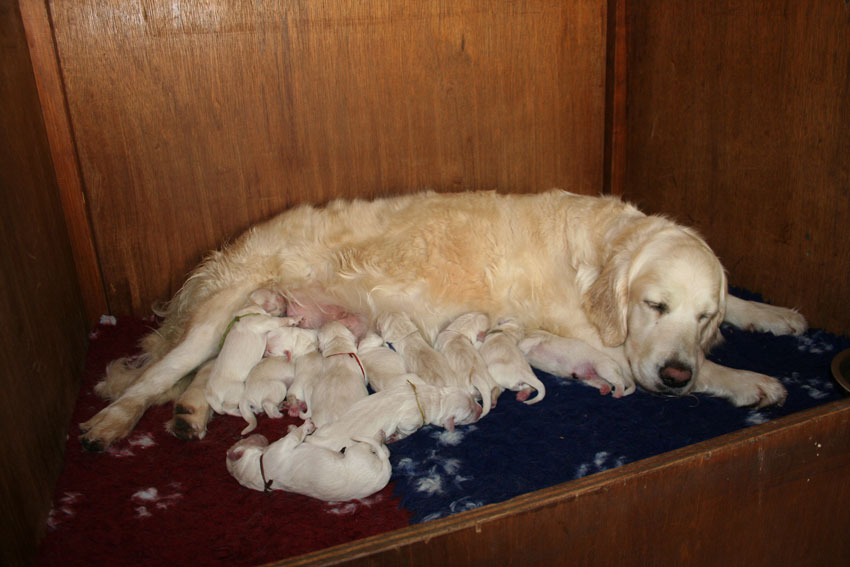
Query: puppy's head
242, 461
471, 325
456, 407
334, 337
663, 301
394, 326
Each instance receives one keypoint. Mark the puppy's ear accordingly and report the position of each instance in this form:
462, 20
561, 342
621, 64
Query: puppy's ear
606, 302
235, 454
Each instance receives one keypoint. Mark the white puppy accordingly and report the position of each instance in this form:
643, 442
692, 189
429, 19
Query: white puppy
242, 348
385, 368
397, 412
420, 357
458, 343
294, 466
572, 358
343, 379
268, 381
507, 363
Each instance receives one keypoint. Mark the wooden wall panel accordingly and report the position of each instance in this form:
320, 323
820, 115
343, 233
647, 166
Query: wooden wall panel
44, 325
774, 494
739, 124
195, 119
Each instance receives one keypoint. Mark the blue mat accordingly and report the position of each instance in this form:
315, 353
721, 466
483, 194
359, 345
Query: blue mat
575, 431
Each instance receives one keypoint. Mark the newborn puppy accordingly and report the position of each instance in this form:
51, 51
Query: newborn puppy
397, 412
458, 343
191, 411
419, 357
507, 363
242, 348
268, 381
343, 379
294, 466
384, 367
308, 369
574, 358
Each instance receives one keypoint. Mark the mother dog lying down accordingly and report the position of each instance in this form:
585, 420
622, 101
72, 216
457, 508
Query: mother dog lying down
638, 297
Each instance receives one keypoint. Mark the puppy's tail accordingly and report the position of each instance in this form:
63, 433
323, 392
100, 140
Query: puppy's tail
534, 382
247, 415
484, 383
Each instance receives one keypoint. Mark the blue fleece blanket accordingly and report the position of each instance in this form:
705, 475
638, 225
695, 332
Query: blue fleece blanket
575, 431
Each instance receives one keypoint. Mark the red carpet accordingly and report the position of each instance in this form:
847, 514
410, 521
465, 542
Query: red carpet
153, 499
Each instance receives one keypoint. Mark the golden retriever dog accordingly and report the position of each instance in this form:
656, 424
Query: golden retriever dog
639, 290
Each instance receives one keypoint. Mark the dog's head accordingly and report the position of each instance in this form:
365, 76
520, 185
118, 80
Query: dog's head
662, 298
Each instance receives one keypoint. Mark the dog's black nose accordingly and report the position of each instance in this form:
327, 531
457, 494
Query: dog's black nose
675, 374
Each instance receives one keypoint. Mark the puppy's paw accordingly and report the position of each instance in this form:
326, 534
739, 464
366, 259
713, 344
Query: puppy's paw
223, 397
759, 391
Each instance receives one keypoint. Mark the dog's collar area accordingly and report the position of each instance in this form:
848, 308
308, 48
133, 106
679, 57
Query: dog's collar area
355, 357
233, 321
419, 405
267, 484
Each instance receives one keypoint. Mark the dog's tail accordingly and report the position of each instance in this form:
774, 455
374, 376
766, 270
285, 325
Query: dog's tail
248, 415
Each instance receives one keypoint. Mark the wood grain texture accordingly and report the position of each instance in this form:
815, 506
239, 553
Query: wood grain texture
44, 326
194, 120
48, 79
727, 501
739, 124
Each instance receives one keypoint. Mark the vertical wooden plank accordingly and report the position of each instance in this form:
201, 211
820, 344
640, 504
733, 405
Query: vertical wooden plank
198, 119
615, 98
63, 152
739, 124
44, 327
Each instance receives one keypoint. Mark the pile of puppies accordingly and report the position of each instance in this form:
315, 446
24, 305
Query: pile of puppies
268, 361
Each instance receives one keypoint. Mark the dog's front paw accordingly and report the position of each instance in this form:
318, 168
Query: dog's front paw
781, 321
759, 391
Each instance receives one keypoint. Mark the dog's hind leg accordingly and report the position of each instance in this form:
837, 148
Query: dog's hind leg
199, 343
192, 412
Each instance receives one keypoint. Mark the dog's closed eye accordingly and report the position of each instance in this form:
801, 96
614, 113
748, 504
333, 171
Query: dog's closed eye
659, 306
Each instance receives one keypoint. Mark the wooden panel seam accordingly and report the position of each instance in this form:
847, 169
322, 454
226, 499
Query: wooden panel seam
614, 160
51, 91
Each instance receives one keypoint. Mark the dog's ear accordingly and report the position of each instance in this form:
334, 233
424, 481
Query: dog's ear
712, 336
606, 301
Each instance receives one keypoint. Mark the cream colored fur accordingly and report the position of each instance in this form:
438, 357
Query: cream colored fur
575, 266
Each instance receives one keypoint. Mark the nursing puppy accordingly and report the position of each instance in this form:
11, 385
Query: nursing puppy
640, 291
294, 466
397, 412
507, 363
458, 343
242, 348
268, 381
385, 368
419, 356
342, 381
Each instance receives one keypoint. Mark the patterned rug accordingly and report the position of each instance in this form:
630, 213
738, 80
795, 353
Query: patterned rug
154, 500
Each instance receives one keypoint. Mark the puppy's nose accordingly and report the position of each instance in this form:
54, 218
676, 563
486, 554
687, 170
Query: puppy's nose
675, 374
